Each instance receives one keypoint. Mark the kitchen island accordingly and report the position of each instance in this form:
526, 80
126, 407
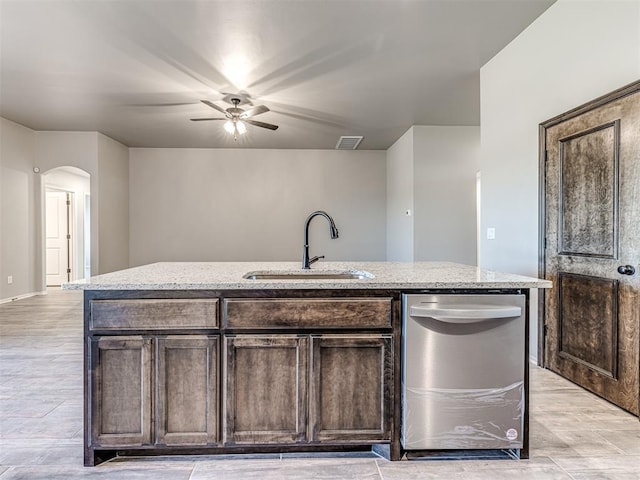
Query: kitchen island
195, 358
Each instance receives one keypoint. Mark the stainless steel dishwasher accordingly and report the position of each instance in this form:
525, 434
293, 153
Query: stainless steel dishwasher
463, 371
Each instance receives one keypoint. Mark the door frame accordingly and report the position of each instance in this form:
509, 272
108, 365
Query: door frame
629, 89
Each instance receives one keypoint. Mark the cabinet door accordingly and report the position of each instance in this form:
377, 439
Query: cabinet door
187, 393
265, 389
351, 388
120, 391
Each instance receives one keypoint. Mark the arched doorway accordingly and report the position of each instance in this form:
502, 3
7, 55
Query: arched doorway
66, 225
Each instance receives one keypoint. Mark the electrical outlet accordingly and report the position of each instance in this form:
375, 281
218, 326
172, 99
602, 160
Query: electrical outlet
491, 233
10, 279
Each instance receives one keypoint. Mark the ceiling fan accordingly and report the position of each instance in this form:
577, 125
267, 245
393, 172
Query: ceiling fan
236, 117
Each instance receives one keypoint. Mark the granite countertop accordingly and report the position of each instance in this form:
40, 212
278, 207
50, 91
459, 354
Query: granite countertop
229, 276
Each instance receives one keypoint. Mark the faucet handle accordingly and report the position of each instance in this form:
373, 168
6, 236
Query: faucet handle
315, 259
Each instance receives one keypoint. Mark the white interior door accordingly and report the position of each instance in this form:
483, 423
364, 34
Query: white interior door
58, 236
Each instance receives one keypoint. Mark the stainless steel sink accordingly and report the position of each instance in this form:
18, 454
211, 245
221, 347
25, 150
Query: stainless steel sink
307, 275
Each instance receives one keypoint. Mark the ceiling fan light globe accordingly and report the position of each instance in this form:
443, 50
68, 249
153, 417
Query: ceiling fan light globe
241, 127
229, 127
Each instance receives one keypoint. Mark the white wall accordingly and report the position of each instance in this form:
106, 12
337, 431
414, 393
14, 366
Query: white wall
400, 159
228, 205
22, 201
446, 161
73, 149
113, 205
106, 161
431, 171
574, 52
17, 212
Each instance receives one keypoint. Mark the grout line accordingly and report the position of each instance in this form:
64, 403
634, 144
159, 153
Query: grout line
10, 469
378, 468
597, 432
561, 468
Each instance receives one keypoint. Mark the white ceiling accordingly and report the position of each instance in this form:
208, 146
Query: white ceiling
135, 70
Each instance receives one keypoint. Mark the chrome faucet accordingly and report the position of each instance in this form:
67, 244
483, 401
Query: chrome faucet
306, 261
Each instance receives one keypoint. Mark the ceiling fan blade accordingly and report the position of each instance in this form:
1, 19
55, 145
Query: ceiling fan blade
205, 119
254, 111
215, 107
260, 124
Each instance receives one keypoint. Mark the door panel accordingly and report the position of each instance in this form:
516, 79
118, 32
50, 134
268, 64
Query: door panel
187, 393
591, 212
351, 387
57, 241
255, 410
589, 177
588, 325
120, 391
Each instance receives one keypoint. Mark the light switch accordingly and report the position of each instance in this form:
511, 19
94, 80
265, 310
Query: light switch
491, 233
10, 279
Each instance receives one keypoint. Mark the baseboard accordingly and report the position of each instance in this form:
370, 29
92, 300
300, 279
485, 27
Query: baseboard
21, 297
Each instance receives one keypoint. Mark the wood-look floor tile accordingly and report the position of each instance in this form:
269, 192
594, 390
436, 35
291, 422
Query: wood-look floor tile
539, 468
626, 440
289, 469
545, 442
606, 476
102, 472
601, 464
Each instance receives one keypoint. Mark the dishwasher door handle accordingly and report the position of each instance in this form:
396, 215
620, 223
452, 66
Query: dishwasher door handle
466, 313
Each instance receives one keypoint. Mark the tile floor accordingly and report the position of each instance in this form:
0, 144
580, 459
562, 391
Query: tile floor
574, 435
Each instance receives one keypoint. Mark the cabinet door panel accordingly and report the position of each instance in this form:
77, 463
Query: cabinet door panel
265, 389
187, 394
121, 391
351, 388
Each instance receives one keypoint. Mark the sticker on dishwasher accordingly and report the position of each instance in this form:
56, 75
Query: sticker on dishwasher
512, 434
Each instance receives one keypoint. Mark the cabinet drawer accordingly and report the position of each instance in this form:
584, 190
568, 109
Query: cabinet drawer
308, 313
162, 314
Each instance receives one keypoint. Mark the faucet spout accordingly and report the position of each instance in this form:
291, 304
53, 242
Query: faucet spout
333, 232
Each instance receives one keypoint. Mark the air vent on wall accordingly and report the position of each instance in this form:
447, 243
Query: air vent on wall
348, 143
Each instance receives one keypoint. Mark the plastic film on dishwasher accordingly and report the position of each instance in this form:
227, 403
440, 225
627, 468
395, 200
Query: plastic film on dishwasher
467, 414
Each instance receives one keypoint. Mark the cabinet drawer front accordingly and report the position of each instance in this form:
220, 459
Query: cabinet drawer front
308, 313
164, 314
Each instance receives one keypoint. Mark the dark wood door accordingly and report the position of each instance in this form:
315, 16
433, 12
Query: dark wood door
187, 390
120, 391
265, 389
351, 388
591, 245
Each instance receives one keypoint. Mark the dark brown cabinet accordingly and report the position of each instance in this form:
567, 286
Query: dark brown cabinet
165, 375
120, 413
154, 389
265, 389
183, 381
311, 387
351, 385
274, 394
187, 390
